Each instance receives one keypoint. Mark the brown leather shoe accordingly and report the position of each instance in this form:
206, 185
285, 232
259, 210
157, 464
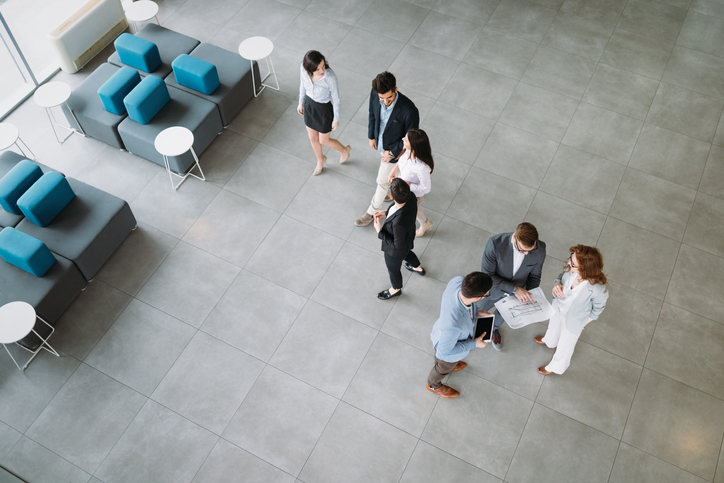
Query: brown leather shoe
460, 366
539, 340
542, 370
444, 391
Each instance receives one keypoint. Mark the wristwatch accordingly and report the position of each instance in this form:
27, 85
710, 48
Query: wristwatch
515, 289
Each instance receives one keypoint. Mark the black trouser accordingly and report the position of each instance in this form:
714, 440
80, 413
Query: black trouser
394, 264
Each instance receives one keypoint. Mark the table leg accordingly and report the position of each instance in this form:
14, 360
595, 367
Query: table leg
11, 356
171, 174
272, 71
26, 147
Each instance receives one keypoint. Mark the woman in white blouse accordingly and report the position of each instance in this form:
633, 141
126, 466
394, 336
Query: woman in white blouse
415, 166
319, 104
579, 296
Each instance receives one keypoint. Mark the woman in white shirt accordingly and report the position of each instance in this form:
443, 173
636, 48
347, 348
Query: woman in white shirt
579, 296
319, 104
415, 166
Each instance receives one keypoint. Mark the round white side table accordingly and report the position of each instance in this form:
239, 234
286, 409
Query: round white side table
256, 49
175, 141
54, 94
9, 135
17, 320
142, 11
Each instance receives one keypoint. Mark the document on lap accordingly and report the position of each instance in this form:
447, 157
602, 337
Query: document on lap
519, 314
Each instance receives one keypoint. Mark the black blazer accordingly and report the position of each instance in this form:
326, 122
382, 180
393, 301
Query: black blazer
404, 117
498, 263
398, 230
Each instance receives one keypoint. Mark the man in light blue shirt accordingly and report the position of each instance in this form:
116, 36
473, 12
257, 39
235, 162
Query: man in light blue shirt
453, 334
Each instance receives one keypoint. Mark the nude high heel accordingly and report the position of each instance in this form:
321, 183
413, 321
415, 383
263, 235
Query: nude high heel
318, 169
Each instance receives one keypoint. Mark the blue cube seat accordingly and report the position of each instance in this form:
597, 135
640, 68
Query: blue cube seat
46, 198
16, 182
137, 52
146, 99
195, 74
8, 160
25, 252
115, 89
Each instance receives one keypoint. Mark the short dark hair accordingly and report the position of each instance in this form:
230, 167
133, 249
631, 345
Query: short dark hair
384, 83
400, 190
526, 234
311, 61
476, 284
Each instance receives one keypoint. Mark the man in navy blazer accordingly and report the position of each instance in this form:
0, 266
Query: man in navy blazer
391, 115
515, 262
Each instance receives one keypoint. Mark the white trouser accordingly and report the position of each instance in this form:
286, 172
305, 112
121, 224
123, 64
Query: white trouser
564, 341
383, 187
421, 218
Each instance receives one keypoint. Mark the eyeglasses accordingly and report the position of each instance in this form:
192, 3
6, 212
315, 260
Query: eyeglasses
517, 247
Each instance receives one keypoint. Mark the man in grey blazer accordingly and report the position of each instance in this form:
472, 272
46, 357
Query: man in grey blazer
515, 262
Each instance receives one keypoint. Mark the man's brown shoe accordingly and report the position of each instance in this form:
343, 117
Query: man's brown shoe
539, 340
444, 391
542, 370
460, 366
364, 220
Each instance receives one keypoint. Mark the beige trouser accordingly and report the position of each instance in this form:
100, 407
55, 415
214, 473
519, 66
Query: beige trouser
383, 187
421, 218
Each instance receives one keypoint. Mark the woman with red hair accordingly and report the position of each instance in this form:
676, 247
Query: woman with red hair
579, 296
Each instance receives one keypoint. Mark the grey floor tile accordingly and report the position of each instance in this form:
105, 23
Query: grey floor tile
224, 156
698, 298
606, 11
708, 7
621, 91
665, 210
695, 71
431, 465
140, 347
594, 376
354, 295
637, 53
308, 253
289, 135
456, 133
664, 415
325, 38
603, 133
577, 35
159, 445
395, 19
281, 420
513, 368
345, 11
546, 429
559, 72
445, 35
626, 326
71, 158
260, 114
324, 348
254, 315
539, 111
478, 90
635, 465
637, 258
686, 112
501, 53
354, 89
265, 18
188, 284
396, 396
719, 136
363, 162
40, 465
208, 382
364, 52
517, 155
89, 316
563, 224
476, 11
703, 33
412, 71
226, 462
356, 447
653, 19
712, 182
490, 202
286, 66
582, 178
240, 225
522, 19
86, 418
8, 438
463, 431
449, 175
192, 26
671, 354
136, 259
719, 477
216, 11
670, 156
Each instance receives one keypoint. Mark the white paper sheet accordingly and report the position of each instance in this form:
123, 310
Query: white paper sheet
518, 314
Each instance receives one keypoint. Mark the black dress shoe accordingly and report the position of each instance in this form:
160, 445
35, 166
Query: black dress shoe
410, 268
386, 295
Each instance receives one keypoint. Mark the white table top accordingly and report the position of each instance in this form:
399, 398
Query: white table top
17, 319
256, 48
174, 141
52, 94
141, 11
8, 135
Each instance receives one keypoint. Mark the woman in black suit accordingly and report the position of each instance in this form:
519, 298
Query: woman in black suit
398, 236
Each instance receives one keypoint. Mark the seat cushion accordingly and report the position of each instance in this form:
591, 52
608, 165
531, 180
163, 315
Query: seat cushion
25, 252
137, 52
115, 89
46, 198
146, 99
8, 160
195, 73
16, 182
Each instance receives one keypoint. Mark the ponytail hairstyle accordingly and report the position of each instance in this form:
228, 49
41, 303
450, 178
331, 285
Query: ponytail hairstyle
420, 147
311, 61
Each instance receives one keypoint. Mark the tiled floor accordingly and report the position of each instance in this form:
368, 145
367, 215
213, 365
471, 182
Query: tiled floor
236, 336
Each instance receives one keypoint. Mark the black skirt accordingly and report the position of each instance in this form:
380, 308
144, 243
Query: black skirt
318, 116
